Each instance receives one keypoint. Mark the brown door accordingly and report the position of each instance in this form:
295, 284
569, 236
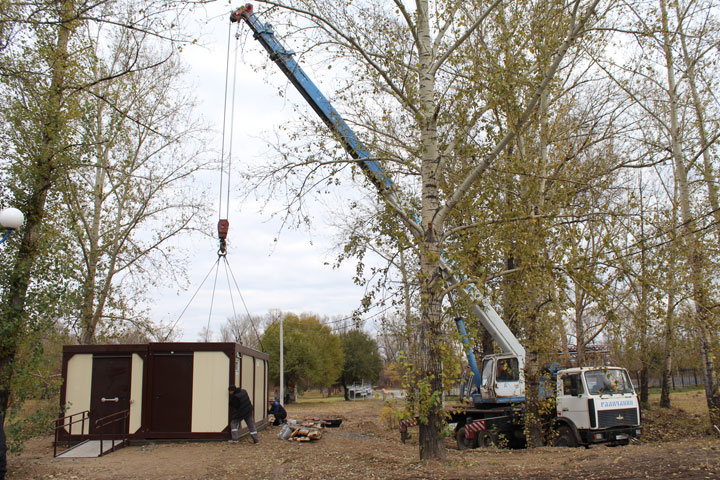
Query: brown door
171, 391
110, 393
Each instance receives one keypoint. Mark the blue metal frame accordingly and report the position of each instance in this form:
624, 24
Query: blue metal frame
468, 351
7, 234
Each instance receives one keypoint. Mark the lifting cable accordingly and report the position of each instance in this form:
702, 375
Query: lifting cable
223, 224
172, 328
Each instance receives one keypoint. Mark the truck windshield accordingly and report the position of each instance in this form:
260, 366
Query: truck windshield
487, 371
608, 381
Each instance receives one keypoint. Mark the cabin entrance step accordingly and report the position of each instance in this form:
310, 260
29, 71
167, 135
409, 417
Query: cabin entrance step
90, 449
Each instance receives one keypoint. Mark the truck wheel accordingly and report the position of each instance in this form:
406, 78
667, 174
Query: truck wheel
566, 437
487, 440
464, 443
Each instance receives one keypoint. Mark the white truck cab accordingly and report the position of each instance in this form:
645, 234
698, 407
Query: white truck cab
596, 405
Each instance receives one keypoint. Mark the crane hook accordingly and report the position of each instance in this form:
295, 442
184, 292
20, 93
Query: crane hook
223, 226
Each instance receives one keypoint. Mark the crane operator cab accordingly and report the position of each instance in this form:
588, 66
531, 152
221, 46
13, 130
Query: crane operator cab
502, 380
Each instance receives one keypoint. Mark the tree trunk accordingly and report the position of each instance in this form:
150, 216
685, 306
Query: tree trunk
712, 386
642, 311
666, 381
579, 325
432, 445
533, 420
708, 173
87, 313
668, 333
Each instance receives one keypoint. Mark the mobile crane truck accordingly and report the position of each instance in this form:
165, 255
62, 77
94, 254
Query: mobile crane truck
593, 404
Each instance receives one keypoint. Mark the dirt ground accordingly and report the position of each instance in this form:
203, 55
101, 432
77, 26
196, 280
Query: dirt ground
364, 447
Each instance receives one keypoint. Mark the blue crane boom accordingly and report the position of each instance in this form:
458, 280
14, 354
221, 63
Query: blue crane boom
283, 57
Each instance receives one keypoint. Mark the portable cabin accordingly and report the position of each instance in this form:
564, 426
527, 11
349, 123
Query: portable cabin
160, 390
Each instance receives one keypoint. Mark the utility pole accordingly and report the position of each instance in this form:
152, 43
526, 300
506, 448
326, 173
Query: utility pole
282, 373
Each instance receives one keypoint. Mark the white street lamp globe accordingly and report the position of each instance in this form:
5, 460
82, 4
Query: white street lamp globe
11, 218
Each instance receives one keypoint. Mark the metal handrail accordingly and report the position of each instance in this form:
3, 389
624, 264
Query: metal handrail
67, 421
113, 419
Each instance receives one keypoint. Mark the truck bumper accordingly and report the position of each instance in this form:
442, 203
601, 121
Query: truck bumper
616, 435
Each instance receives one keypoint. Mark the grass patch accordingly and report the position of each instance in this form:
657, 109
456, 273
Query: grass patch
308, 398
691, 400
694, 388
686, 417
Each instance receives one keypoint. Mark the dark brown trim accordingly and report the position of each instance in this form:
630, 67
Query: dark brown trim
240, 382
95, 349
255, 353
63, 390
146, 396
227, 347
265, 380
225, 433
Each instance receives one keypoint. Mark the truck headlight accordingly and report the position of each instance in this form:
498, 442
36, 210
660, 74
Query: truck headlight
598, 436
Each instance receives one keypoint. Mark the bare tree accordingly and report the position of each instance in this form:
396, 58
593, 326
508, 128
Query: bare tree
245, 330
132, 189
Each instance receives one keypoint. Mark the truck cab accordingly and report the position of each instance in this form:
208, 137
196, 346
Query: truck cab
596, 405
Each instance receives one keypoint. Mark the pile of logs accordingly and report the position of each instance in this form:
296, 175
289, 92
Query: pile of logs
307, 431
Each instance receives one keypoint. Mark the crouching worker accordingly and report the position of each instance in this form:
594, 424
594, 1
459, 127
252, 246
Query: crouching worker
242, 409
278, 411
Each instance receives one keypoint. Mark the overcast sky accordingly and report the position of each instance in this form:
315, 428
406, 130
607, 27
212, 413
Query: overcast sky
292, 274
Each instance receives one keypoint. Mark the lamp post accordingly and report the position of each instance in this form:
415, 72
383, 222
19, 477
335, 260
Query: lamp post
282, 370
11, 219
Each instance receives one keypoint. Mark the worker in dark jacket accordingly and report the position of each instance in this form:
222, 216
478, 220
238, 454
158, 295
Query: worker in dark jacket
242, 409
278, 411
